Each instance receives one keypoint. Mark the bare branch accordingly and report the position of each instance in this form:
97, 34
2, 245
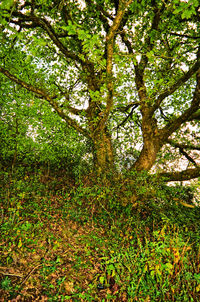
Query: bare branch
182, 148
127, 107
127, 117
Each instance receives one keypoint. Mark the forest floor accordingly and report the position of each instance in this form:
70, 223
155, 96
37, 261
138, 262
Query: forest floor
46, 254
66, 246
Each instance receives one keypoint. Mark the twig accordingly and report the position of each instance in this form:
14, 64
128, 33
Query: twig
9, 274
29, 274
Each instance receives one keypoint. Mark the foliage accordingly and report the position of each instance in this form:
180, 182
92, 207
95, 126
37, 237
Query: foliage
33, 137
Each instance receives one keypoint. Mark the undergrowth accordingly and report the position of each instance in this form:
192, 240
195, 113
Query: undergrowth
62, 241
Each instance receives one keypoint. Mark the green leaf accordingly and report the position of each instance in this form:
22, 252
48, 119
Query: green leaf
7, 4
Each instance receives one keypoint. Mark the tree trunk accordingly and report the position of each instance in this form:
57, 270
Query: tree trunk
103, 153
147, 156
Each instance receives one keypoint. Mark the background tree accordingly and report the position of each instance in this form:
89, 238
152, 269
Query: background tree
124, 74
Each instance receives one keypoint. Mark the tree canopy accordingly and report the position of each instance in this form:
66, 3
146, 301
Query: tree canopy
124, 75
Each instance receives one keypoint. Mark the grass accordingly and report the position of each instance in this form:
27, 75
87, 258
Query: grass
67, 242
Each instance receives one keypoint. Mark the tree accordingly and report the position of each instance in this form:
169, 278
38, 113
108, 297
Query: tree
112, 67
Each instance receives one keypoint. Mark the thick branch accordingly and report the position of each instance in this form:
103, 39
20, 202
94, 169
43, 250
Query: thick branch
185, 116
180, 176
195, 116
41, 93
109, 61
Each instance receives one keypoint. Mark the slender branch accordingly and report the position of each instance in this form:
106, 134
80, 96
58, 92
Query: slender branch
111, 35
127, 43
189, 158
29, 274
184, 203
127, 117
183, 146
24, 21
11, 274
41, 93
103, 16
176, 85
185, 36
126, 108
139, 68
48, 28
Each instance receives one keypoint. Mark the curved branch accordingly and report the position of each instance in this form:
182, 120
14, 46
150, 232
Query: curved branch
185, 116
182, 148
43, 23
176, 85
50, 99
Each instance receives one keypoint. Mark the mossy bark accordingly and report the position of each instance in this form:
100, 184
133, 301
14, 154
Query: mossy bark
103, 154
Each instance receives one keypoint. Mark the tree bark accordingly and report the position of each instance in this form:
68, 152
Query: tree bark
103, 154
147, 156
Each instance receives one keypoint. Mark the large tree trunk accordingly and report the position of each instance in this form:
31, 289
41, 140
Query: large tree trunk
147, 156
